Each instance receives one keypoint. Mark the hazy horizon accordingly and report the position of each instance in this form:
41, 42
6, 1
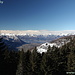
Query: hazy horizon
36, 30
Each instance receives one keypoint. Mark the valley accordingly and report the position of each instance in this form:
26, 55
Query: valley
18, 40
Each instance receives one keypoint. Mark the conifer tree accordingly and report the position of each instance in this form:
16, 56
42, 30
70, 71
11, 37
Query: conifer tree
71, 61
49, 49
20, 65
35, 62
26, 63
43, 65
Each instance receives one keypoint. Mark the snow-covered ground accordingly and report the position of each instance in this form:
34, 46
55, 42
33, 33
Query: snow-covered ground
44, 47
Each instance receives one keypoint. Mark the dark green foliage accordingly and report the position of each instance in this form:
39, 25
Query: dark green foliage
8, 62
71, 61
20, 64
57, 61
26, 63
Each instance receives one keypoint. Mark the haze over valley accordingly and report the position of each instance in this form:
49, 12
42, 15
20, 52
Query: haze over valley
28, 39
37, 32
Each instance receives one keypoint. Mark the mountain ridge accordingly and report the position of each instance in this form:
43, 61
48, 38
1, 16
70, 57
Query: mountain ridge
37, 32
56, 43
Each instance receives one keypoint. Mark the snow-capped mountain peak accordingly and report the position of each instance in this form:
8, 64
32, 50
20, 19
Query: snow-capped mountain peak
37, 32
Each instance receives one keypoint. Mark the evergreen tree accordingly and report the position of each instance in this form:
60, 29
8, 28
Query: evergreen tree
71, 61
43, 64
20, 65
35, 60
49, 49
26, 63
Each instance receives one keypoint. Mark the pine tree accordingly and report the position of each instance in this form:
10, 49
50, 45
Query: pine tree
20, 65
26, 63
71, 61
49, 49
43, 65
35, 59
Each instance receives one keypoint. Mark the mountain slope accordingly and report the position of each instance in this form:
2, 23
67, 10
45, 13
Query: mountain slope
2, 44
57, 43
13, 42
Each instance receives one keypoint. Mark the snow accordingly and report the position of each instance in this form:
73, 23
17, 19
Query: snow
37, 32
41, 50
44, 47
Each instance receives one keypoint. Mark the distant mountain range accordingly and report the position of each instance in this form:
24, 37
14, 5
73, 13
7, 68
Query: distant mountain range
30, 38
37, 32
15, 42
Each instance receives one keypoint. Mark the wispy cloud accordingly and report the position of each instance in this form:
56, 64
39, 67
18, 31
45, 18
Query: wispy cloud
1, 2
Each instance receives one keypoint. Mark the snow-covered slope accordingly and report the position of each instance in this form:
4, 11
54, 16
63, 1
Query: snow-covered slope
44, 47
57, 43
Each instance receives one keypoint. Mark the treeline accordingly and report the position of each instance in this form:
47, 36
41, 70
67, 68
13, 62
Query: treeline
57, 61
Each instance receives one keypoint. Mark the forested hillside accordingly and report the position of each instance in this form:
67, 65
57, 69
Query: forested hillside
56, 61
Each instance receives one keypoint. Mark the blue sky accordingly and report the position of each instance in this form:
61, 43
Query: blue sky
37, 15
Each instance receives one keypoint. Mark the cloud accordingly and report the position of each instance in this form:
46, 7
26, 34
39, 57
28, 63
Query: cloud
1, 2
